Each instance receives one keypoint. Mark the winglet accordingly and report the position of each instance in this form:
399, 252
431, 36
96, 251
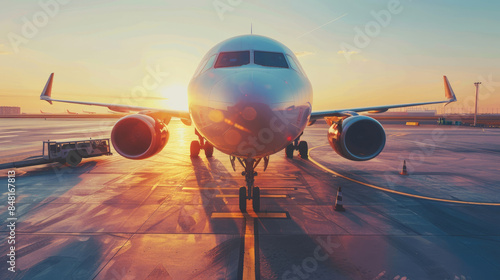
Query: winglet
47, 91
448, 91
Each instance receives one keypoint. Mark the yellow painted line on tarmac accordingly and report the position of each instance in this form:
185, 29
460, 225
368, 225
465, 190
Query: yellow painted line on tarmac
249, 249
249, 258
236, 188
262, 195
277, 178
204, 188
239, 215
277, 189
265, 178
396, 192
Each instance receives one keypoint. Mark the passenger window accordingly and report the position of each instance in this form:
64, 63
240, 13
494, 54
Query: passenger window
232, 59
270, 59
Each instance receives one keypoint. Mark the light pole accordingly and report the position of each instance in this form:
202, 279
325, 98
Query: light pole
475, 110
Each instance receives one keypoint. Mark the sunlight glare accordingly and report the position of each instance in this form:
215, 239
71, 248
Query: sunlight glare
176, 97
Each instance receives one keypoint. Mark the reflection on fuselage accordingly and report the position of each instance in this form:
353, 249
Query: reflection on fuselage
250, 110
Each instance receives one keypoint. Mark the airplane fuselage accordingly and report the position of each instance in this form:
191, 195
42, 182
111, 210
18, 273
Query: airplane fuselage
250, 97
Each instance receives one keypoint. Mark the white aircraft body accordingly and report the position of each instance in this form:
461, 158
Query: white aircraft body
249, 98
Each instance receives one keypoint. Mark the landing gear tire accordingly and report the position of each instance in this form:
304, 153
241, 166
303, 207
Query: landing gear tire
289, 151
209, 150
256, 199
243, 199
195, 148
303, 150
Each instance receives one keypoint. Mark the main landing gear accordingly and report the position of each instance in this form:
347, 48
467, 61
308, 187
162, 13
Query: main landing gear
301, 146
250, 191
196, 146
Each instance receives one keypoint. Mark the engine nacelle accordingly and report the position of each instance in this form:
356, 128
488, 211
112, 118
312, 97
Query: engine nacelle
357, 138
139, 136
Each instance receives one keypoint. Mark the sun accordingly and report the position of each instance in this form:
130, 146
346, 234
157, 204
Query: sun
176, 97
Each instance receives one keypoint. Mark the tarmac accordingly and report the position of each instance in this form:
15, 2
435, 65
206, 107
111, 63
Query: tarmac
176, 217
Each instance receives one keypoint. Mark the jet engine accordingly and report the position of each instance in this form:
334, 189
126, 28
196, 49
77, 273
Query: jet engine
139, 136
357, 138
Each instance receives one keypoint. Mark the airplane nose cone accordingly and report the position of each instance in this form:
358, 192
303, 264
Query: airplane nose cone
251, 113
252, 87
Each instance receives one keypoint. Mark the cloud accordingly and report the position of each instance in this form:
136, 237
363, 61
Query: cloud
352, 56
2, 52
303, 53
350, 52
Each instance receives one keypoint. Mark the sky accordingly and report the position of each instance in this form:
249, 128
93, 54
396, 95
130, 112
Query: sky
356, 53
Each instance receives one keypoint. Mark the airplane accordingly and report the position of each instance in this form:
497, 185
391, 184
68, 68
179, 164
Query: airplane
87, 112
45, 113
249, 98
71, 113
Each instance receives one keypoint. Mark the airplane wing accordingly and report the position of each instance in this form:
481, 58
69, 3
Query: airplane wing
449, 94
47, 96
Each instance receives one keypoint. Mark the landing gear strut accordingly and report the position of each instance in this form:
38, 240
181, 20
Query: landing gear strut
298, 145
196, 146
250, 191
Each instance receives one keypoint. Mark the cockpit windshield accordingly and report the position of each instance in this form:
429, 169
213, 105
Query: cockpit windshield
270, 59
232, 59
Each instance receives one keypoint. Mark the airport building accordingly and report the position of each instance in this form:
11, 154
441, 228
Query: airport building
7, 110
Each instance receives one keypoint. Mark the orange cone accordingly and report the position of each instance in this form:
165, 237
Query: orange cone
339, 205
404, 172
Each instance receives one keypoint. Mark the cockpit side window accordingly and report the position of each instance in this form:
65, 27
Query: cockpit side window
209, 64
294, 64
270, 59
232, 59
200, 66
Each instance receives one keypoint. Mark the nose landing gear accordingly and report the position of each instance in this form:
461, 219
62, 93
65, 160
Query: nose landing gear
250, 191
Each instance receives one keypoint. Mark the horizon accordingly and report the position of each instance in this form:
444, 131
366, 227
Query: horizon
355, 54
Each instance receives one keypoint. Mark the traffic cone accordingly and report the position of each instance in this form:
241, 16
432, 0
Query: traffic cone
338, 203
404, 172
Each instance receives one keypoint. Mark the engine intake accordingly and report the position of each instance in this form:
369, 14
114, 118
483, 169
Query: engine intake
357, 138
139, 136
